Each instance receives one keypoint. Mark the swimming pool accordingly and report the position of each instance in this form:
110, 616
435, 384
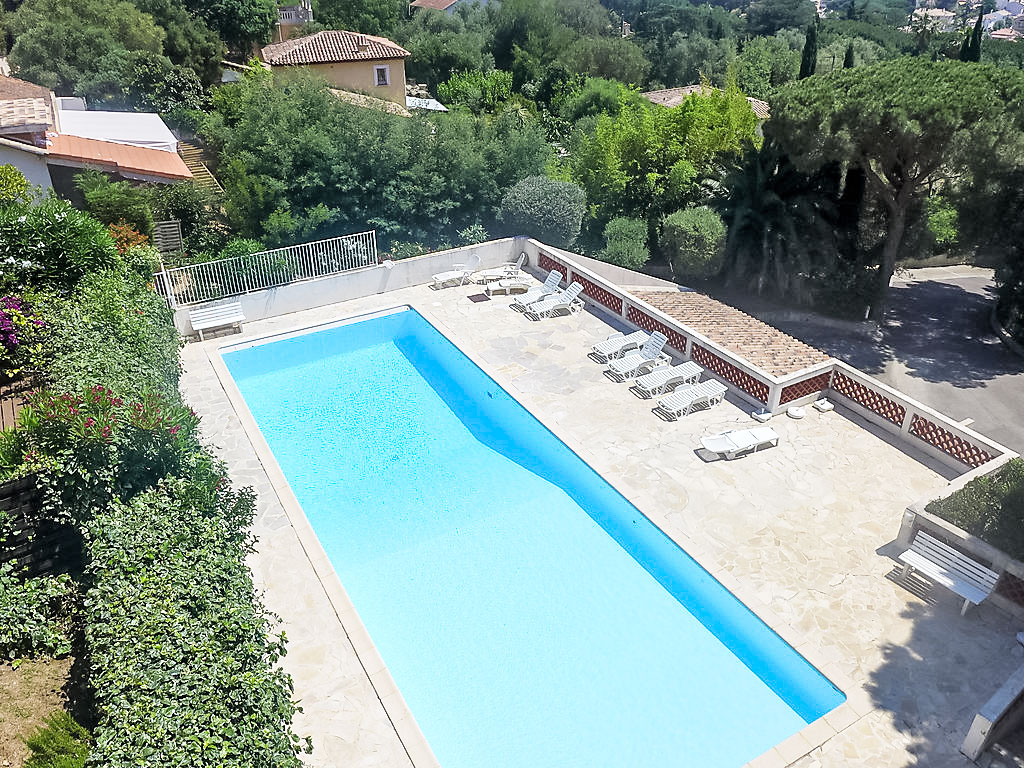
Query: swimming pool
528, 613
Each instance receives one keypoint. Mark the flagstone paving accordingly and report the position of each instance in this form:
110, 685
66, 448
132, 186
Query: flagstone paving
800, 533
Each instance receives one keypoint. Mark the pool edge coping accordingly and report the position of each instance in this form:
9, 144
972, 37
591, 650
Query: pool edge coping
812, 736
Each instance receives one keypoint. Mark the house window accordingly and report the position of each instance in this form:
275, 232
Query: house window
382, 75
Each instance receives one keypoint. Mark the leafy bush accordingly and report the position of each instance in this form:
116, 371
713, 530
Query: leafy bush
197, 208
61, 743
400, 250
115, 202
21, 334
126, 236
51, 243
479, 91
183, 671
472, 235
693, 239
14, 187
90, 447
35, 614
238, 247
625, 243
941, 217
113, 331
551, 211
990, 507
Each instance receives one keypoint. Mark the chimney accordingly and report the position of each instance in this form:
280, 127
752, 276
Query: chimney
362, 43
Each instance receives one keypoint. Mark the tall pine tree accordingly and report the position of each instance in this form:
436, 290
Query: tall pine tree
809, 60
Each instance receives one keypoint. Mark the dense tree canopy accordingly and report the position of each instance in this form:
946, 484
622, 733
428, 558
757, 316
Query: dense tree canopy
240, 23
298, 164
908, 124
60, 43
650, 160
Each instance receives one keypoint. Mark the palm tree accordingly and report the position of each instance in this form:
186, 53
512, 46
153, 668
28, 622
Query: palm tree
780, 235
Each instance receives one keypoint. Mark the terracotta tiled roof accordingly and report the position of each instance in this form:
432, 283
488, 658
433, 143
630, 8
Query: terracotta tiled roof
437, 5
120, 158
673, 97
759, 343
24, 113
329, 46
13, 88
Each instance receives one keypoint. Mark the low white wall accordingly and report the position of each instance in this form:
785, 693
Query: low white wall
616, 274
1000, 715
357, 283
914, 408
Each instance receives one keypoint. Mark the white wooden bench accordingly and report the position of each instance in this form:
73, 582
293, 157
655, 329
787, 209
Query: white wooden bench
949, 567
215, 316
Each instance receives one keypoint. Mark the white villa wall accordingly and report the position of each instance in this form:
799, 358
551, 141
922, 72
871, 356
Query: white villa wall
30, 163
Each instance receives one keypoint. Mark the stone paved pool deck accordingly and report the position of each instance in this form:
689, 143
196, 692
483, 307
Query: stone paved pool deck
800, 533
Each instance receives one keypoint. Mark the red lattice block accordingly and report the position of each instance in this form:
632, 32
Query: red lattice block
726, 370
1011, 587
599, 294
546, 263
805, 387
950, 444
641, 319
869, 398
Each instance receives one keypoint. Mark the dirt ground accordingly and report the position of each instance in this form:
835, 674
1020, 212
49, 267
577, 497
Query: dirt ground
27, 695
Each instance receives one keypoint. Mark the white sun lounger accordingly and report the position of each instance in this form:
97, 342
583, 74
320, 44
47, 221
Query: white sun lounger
740, 441
567, 301
538, 292
661, 380
507, 270
617, 345
622, 368
686, 399
457, 275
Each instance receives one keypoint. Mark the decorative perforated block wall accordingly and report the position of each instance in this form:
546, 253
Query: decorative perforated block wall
726, 370
869, 398
805, 387
599, 294
546, 263
952, 445
641, 319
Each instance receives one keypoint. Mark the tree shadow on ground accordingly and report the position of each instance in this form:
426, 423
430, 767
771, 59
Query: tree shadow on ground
942, 333
939, 331
932, 684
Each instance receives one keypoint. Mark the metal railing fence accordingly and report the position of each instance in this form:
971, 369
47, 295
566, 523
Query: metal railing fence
224, 278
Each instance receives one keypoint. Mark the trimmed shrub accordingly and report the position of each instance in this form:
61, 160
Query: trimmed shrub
35, 614
181, 665
479, 91
51, 244
625, 243
551, 211
61, 743
693, 240
990, 507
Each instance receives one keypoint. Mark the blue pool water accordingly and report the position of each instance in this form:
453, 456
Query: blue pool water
529, 614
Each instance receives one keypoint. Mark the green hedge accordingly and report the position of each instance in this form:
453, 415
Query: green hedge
177, 644
991, 507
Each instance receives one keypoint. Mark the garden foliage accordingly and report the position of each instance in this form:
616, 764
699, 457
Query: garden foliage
548, 210
990, 507
182, 668
60, 743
